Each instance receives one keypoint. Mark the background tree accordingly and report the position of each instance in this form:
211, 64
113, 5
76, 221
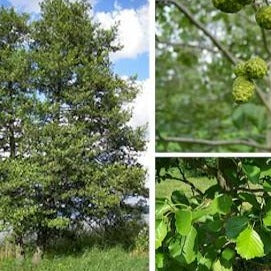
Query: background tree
18, 104
83, 153
197, 47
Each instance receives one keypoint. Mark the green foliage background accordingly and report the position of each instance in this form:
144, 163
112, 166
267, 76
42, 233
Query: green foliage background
194, 84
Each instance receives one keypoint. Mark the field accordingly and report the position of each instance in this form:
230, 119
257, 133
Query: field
93, 259
164, 189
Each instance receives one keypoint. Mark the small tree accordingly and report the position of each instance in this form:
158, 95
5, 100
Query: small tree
18, 108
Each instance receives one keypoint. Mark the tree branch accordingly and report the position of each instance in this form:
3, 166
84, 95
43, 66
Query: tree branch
184, 180
265, 42
251, 190
180, 44
199, 25
213, 143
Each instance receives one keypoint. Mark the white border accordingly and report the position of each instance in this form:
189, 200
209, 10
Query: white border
211, 154
152, 135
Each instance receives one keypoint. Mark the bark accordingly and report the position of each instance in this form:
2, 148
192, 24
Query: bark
221, 178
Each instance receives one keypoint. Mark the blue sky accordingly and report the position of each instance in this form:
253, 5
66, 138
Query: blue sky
132, 15
108, 5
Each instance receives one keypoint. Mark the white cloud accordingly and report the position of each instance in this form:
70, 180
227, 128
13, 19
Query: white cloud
33, 5
141, 105
142, 112
133, 29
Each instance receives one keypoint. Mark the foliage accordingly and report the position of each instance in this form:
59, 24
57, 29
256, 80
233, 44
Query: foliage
68, 154
194, 77
223, 227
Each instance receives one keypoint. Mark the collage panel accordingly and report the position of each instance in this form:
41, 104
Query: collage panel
213, 214
74, 151
213, 76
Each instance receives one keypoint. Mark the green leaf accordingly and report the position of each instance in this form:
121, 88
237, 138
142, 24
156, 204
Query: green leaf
250, 199
228, 254
215, 226
220, 242
218, 266
183, 221
249, 244
267, 219
178, 197
266, 238
161, 207
159, 260
201, 214
267, 186
189, 251
253, 172
175, 247
235, 225
204, 263
222, 204
160, 232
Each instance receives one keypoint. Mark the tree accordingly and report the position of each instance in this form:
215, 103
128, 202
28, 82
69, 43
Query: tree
18, 109
14, 71
196, 54
221, 226
83, 155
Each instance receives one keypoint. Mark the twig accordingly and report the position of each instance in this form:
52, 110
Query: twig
213, 143
184, 180
265, 42
250, 190
180, 44
190, 16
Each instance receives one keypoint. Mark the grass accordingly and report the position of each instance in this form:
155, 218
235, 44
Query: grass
122, 248
165, 188
93, 259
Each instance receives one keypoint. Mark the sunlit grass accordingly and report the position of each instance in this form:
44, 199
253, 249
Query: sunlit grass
94, 259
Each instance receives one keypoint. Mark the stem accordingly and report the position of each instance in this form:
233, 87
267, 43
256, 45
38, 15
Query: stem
199, 25
184, 180
214, 143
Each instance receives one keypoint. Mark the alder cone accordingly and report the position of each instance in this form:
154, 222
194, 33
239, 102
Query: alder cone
263, 17
239, 69
228, 6
243, 89
256, 68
